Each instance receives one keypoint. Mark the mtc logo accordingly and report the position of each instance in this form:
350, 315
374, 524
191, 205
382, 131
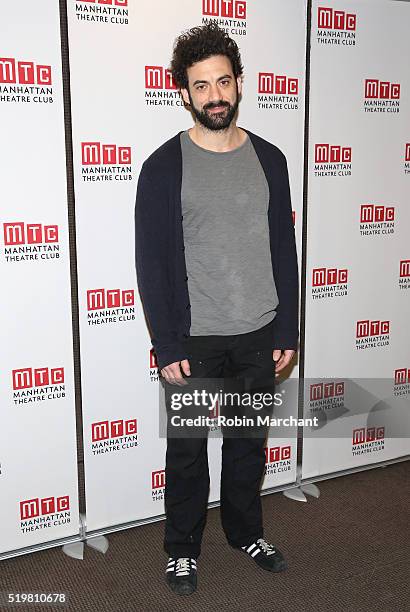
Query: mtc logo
30, 508
402, 376
37, 377
322, 390
152, 359
30, 233
328, 276
224, 8
115, 2
327, 154
404, 268
109, 298
24, 73
269, 83
331, 19
96, 153
158, 479
373, 88
114, 429
407, 154
277, 453
372, 328
157, 77
373, 213
367, 434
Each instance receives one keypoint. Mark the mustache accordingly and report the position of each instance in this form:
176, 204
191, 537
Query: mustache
215, 104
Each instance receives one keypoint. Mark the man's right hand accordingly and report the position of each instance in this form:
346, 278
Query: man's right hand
172, 372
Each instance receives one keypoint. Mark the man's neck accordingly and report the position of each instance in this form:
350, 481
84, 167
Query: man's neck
219, 141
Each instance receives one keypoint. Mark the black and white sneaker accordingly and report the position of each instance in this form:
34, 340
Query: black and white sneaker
181, 575
266, 555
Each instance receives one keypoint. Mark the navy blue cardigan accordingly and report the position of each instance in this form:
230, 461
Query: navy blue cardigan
159, 248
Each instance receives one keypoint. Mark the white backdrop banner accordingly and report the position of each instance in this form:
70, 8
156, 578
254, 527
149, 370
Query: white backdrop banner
38, 453
124, 105
357, 351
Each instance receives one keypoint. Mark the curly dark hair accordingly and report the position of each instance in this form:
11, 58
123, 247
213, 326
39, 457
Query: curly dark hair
198, 44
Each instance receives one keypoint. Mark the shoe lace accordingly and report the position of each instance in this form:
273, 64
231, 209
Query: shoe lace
267, 548
183, 566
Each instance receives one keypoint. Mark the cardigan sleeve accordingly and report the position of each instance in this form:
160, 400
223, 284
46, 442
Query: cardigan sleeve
286, 270
152, 266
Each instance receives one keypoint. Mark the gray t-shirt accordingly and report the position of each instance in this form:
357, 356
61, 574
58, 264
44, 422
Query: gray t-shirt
225, 198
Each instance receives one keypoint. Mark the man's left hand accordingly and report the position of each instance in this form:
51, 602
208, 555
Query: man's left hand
283, 357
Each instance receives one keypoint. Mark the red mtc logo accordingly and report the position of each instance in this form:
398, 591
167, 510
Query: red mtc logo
112, 2
277, 453
152, 359
404, 268
279, 84
407, 154
37, 377
372, 328
224, 8
367, 434
109, 298
24, 73
328, 276
30, 508
402, 376
373, 88
95, 153
157, 77
158, 479
320, 391
114, 429
326, 154
30, 233
331, 19
373, 213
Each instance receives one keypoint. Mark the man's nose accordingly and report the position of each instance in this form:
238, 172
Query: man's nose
214, 93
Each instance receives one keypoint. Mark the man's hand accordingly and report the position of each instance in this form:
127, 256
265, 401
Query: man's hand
172, 372
282, 358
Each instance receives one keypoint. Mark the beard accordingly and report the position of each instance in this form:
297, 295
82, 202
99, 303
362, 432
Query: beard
216, 121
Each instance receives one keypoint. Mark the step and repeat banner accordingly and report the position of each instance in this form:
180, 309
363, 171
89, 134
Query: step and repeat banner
357, 339
38, 454
125, 105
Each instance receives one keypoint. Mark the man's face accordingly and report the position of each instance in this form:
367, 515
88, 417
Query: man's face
213, 92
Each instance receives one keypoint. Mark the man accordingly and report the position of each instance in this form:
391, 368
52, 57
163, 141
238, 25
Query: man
217, 273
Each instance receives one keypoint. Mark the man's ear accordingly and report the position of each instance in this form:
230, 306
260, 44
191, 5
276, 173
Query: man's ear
239, 83
185, 96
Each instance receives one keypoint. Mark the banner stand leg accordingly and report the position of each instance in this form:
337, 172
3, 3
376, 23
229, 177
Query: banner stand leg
295, 493
298, 493
310, 489
99, 543
75, 550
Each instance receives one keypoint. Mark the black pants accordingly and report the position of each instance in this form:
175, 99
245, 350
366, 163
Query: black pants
245, 360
